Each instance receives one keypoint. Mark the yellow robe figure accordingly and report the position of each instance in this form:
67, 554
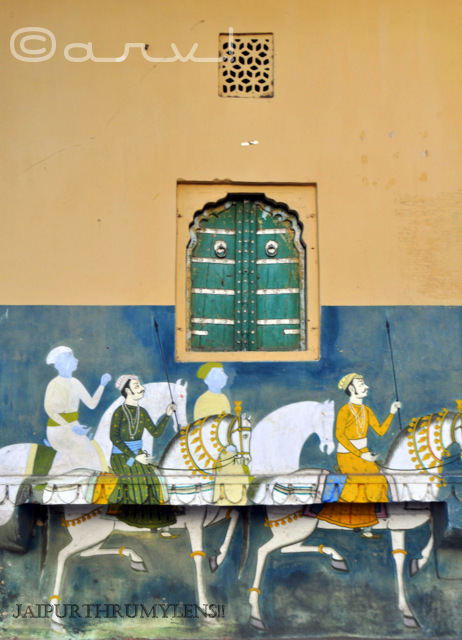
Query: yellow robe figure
211, 404
365, 485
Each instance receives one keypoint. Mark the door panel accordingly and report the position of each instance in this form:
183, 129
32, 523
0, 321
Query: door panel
246, 284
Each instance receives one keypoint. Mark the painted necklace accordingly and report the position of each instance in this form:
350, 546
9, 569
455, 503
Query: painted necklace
132, 424
359, 419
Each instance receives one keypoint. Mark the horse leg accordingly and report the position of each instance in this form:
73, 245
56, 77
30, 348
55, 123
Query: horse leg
287, 535
85, 534
417, 564
137, 563
215, 561
399, 554
338, 562
71, 549
194, 525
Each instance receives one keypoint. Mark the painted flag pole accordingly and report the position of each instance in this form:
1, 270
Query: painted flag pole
156, 327
387, 325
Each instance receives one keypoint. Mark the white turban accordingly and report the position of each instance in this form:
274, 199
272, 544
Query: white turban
56, 352
122, 381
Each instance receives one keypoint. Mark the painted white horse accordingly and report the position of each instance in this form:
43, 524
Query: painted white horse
90, 526
421, 450
16, 460
278, 439
419, 454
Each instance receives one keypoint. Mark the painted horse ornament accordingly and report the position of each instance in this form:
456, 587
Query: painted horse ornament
210, 450
415, 463
420, 453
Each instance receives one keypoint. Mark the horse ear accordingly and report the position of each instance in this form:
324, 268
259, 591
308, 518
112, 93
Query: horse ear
185, 385
179, 381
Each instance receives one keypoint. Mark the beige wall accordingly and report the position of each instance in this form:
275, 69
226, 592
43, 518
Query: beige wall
367, 106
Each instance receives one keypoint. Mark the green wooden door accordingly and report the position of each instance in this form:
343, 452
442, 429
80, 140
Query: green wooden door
246, 278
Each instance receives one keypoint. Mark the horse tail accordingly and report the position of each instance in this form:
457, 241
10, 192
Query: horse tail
245, 515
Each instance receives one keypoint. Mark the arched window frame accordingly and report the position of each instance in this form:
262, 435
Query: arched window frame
192, 199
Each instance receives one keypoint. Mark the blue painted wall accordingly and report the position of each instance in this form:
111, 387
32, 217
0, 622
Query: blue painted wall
426, 342
303, 596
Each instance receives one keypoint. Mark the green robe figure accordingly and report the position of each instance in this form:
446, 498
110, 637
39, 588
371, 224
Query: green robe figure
140, 492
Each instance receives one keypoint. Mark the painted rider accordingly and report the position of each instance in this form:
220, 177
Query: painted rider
213, 401
365, 485
139, 483
62, 397
231, 477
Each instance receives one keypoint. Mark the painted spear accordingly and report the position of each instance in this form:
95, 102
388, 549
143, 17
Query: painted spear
387, 325
155, 327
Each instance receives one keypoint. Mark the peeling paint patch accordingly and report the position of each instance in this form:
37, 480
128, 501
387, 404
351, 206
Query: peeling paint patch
430, 233
425, 153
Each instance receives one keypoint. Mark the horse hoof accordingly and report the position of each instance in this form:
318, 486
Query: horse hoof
413, 567
57, 627
410, 622
257, 623
138, 565
340, 565
213, 564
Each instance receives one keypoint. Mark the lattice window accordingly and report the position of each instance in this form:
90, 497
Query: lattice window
246, 69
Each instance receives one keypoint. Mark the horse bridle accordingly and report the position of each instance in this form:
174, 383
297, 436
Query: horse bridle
240, 429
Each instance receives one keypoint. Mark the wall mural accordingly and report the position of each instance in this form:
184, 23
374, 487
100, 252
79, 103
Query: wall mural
150, 498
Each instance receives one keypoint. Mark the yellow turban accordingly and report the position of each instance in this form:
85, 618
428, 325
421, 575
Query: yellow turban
346, 380
205, 369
